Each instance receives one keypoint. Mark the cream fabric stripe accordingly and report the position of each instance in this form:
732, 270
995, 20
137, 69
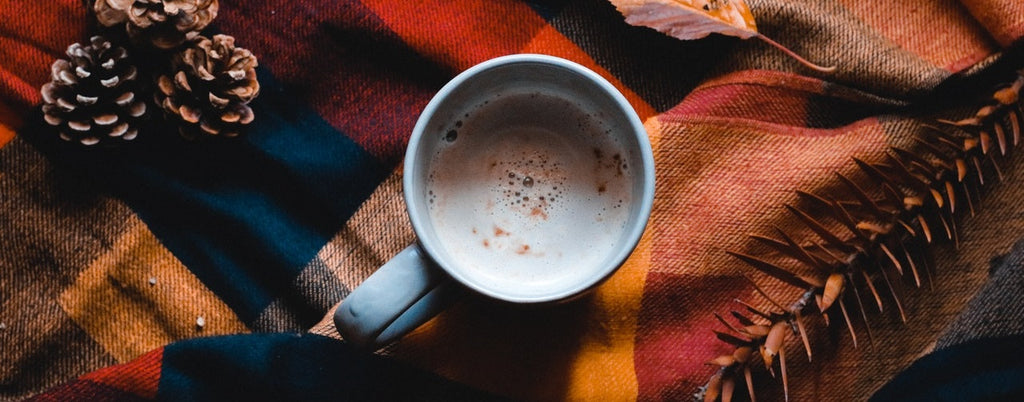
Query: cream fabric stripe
137, 297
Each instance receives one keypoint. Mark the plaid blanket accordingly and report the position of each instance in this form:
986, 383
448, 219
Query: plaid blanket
143, 271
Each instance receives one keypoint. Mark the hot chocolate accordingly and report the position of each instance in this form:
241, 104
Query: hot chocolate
531, 188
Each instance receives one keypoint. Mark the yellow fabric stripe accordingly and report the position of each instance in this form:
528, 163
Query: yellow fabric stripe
137, 297
603, 368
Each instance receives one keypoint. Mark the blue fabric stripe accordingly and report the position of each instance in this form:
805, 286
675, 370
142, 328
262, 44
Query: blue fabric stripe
259, 209
284, 367
244, 215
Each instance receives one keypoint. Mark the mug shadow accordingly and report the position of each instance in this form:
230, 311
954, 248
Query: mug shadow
523, 352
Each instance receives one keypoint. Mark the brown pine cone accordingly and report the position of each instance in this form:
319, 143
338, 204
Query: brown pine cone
164, 24
92, 95
111, 12
209, 88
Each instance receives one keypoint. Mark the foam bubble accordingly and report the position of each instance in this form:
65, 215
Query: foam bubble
529, 191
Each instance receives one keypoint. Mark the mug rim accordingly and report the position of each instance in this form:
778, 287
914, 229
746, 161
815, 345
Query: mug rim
638, 221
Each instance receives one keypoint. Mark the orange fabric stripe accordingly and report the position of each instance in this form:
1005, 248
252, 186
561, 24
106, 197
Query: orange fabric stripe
955, 43
1004, 20
481, 29
137, 297
9, 121
603, 368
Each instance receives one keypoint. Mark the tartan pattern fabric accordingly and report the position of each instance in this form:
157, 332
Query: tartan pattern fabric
112, 259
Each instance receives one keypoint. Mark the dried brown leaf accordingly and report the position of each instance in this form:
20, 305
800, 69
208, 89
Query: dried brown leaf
892, 257
951, 195
969, 198
728, 325
742, 318
722, 361
945, 158
756, 331
696, 19
833, 288
690, 19
803, 334
763, 293
961, 169
893, 292
995, 166
904, 172
874, 291
950, 234
820, 230
1015, 124
714, 387
728, 388
754, 310
977, 168
742, 354
910, 262
916, 161
906, 226
889, 186
785, 377
1000, 137
937, 197
924, 228
730, 339
843, 216
773, 342
750, 383
849, 324
861, 196
775, 271
860, 306
894, 196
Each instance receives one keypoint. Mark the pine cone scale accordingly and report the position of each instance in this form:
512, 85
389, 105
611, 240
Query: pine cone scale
210, 88
181, 81
91, 93
86, 100
165, 24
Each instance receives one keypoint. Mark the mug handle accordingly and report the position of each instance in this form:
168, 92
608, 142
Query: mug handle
404, 293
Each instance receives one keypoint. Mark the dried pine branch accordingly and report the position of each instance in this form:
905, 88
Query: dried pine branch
914, 199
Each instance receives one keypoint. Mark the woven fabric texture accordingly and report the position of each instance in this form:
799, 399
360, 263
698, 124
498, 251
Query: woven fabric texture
122, 268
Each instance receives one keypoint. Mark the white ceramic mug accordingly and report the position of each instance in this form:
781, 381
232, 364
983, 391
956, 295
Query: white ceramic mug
528, 179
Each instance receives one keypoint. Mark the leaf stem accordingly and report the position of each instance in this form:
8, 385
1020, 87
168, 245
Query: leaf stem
795, 56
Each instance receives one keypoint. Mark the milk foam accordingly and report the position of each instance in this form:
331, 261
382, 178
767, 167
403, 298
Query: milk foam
529, 190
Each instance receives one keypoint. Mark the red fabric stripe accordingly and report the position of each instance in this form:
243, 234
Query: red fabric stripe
84, 390
28, 46
139, 377
674, 340
344, 62
366, 75
460, 34
777, 98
